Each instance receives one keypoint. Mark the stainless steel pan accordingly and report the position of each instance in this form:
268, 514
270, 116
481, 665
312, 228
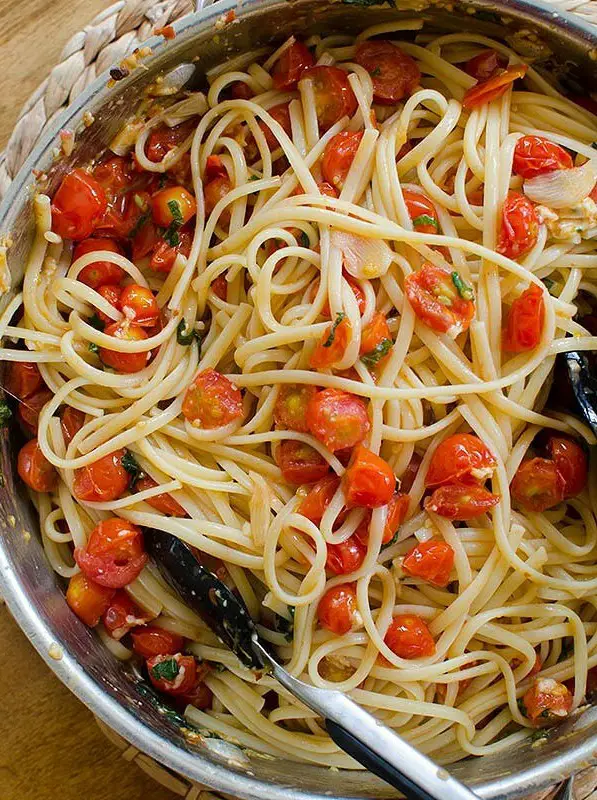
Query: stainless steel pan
30, 587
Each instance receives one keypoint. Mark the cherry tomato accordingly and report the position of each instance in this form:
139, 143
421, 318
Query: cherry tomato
359, 294
72, 420
214, 191
291, 406
78, 205
200, 696
29, 410
281, 114
219, 287
432, 561
172, 674
327, 189
173, 205
99, 273
300, 463
337, 609
164, 255
338, 419
110, 292
113, 175
459, 501
320, 496
547, 701
214, 168
103, 480
537, 486
571, 464
145, 239
409, 637
486, 64
114, 554
288, 69
338, 156
375, 336
88, 599
421, 211
440, 299
122, 615
161, 502
22, 379
125, 362
241, 91
397, 511
212, 401
151, 641
395, 74
535, 155
138, 304
345, 557
332, 344
461, 458
486, 91
369, 481
34, 468
162, 139
334, 97
524, 323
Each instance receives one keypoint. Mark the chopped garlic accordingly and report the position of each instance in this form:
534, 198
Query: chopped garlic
573, 223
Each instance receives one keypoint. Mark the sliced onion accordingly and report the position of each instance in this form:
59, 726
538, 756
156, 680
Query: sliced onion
125, 139
193, 105
363, 258
562, 187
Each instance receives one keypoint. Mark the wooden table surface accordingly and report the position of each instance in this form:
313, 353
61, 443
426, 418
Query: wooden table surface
50, 745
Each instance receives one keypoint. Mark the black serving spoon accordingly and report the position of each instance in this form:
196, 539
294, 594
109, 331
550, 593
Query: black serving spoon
357, 732
584, 385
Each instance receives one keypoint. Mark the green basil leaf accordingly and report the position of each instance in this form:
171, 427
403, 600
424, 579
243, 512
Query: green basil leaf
330, 340
166, 670
5, 413
185, 335
174, 207
131, 465
379, 351
93, 347
463, 289
425, 219
96, 322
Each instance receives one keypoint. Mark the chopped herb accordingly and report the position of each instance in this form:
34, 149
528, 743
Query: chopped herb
131, 465
392, 541
166, 670
330, 340
93, 347
163, 180
96, 322
463, 289
304, 239
380, 350
174, 207
254, 178
521, 706
139, 224
171, 233
185, 335
375, 73
425, 219
539, 735
5, 413
549, 285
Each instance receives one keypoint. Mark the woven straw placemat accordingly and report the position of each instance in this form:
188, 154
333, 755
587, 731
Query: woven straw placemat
106, 40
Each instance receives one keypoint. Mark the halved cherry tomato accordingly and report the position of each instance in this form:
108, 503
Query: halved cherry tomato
145, 239
172, 674
291, 406
394, 73
345, 557
547, 701
327, 189
375, 336
214, 168
334, 97
78, 205
214, 191
409, 637
281, 115
162, 139
104, 480
164, 255
337, 609
22, 379
34, 468
138, 304
485, 64
200, 695
537, 485
519, 226
212, 401
126, 214
72, 420
88, 599
288, 69
110, 292
113, 175
300, 463
461, 458
241, 91
486, 91
122, 615
173, 205
320, 496
571, 464
440, 299
99, 273
153, 641
114, 554
459, 501
161, 502
29, 410
219, 287
397, 510
332, 344
432, 560
338, 156
338, 419
125, 362
359, 294
369, 481
536, 155
524, 323
421, 211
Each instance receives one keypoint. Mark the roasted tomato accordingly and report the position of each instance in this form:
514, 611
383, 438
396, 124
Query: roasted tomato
162, 139
110, 292
369, 481
537, 485
173, 206
72, 420
138, 304
395, 74
152, 640
200, 696
376, 340
300, 463
213, 192
113, 174
359, 294
22, 379
421, 211
29, 410
102, 481
288, 69
34, 468
320, 496
524, 323
99, 273
78, 205
519, 226
241, 91
337, 418
334, 97
122, 615
164, 254
212, 401
281, 115
339, 155
461, 458
161, 502
461, 501
488, 90
535, 155
440, 299
332, 344
346, 557
172, 674
219, 287
337, 610
125, 362
571, 464
409, 637
547, 702
485, 64
432, 561
114, 554
291, 407
88, 599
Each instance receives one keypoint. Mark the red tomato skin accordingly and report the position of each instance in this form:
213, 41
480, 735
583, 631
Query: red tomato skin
369, 481
161, 211
460, 501
455, 459
485, 64
183, 682
164, 255
519, 226
524, 323
77, 205
22, 379
397, 511
88, 599
122, 615
113, 175
422, 289
72, 420
162, 139
338, 156
419, 205
535, 155
337, 418
114, 554
547, 701
334, 97
241, 91
537, 486
281, 114
288, 69
200, 696
395, 74
161, 502
486, 91
212, 401
376, 332
124, 362
332, 345
151, 641
432, 560
571, 464
29, 410
327, 189
111, 293
291, 407
320, 495
214, 168
300, 463
345, 557
138, 304
409, 637
219, 287
99, 273
214, 191
102, 481
34, 469
337, 609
